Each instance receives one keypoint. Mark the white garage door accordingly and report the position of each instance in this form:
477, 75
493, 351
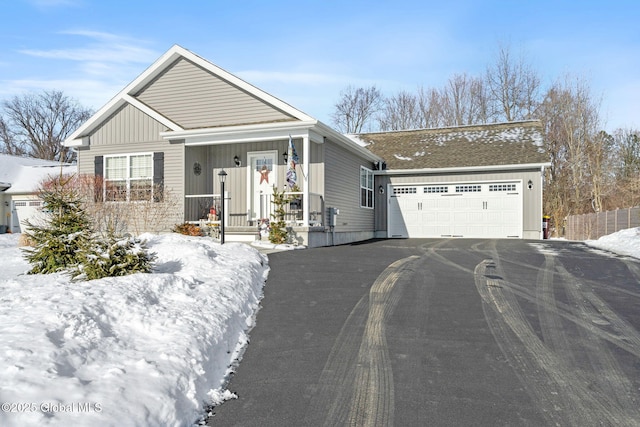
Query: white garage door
24, 210
475, 210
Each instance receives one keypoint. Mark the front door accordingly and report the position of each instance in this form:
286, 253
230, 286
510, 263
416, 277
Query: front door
262, 177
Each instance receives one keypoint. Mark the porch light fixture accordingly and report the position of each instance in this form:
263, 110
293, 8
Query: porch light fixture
530, 184
237, 161
223, 176
6, 203
381, 189
285, 157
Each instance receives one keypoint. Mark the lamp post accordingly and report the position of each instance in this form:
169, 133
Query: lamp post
223, 176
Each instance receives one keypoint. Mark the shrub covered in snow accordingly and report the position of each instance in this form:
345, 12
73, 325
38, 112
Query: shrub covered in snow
111, 257
65, 240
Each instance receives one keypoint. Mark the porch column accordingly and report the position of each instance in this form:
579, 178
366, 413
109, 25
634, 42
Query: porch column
306, 150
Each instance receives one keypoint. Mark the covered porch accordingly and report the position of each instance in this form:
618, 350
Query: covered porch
282, 157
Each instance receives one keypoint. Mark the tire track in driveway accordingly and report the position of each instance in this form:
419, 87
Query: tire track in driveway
564, 394
606, 373
356, 383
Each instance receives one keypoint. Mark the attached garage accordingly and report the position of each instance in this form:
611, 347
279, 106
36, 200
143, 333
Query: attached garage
472, 209
24, 210
481, 181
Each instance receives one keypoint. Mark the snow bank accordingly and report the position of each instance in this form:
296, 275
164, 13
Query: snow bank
624, 242
141, 350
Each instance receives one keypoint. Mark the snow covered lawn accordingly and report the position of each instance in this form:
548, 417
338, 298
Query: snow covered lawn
142, 350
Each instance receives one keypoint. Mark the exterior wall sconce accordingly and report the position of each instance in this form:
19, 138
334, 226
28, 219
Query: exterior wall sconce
285, 157
530, 185
6, 203
381, 189
237, 161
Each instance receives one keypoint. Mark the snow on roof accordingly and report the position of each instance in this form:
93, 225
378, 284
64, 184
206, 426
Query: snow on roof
462, 146
24, 174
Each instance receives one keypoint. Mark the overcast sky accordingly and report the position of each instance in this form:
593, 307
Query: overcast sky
306, 52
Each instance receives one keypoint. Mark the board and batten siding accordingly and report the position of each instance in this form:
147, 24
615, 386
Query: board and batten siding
118, 136
127, 125
195, 98
532, 201
342, 187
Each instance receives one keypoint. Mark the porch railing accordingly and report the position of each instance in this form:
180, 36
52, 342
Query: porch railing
294, 209
199, 207
206, 207
294, 212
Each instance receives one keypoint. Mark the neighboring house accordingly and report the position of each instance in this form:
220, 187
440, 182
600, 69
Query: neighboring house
20, 178
171, 131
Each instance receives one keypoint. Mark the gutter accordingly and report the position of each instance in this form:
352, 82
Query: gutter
464, 169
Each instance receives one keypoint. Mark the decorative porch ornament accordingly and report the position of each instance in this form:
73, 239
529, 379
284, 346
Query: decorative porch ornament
264, 174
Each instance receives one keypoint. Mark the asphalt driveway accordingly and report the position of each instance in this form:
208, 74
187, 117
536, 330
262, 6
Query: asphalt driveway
443, 332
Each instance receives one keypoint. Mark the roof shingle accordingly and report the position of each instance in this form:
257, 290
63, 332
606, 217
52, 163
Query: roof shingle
463, 146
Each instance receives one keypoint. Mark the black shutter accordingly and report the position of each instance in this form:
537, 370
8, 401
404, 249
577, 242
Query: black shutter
98, 168
158, 177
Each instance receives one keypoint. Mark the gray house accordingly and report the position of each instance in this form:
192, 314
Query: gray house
169, 133
184, 120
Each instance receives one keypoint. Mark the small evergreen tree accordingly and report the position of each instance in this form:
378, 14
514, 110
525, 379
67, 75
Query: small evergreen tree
113, 256
278, 231
66, 240
66, 228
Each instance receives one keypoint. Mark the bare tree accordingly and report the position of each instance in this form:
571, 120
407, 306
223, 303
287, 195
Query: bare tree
577, 149
626, 166
37, 124
401, 111
514, 87
463, 101
430, 102
627, 147
356, 108
6, 138
599, 161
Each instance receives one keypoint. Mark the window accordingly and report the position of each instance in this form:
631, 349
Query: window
436, 189
502, 187
404, 190
366, 188
128, 177
468, 188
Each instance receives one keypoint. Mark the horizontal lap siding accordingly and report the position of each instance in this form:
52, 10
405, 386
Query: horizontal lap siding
342, 178
195, 98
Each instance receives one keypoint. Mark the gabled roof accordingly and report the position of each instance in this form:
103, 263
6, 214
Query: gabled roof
513, 143
129, 95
